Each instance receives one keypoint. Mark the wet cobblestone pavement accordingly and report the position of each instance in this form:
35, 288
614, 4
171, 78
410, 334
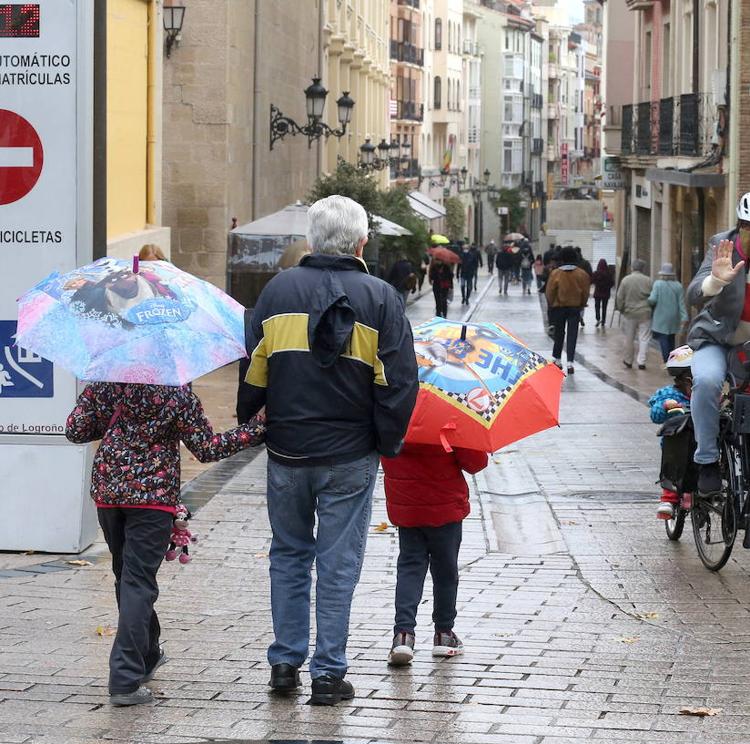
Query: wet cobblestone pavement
581, 621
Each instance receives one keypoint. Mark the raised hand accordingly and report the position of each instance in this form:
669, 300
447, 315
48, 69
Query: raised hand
722, 267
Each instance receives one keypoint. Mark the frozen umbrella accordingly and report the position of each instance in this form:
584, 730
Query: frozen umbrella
480, 387
113, 321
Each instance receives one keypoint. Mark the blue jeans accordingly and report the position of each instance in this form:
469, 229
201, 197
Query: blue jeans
709, 368
341, 495
467, 284
666, 343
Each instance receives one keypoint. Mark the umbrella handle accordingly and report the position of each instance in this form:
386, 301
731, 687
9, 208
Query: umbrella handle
136, 262
443, 438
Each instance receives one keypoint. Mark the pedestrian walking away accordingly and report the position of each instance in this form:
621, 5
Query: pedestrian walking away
669, 312
467, 270
632, 301
567, 293
480, 263
603, 281
334, 363
135, 483
584, 264
441, 278
491, 251
527, 270
427, 498
504, 263
721, 291
539, 272
402, 277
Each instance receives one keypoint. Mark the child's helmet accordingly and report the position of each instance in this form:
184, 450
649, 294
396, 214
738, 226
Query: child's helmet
679, 360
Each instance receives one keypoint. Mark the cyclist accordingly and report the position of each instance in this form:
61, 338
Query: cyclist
721, 290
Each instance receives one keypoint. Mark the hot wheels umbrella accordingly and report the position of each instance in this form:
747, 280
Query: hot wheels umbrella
110, 321
480, 387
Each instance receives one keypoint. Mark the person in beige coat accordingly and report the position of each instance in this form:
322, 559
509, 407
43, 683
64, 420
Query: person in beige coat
567, 293
632, 302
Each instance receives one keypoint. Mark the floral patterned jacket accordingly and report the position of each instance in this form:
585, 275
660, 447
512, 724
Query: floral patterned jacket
138, 461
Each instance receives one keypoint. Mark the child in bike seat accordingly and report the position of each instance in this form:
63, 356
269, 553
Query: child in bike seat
670, 402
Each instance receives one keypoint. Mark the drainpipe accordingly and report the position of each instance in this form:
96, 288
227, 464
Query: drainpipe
322, 73
100, 132
151, 115
733, 87
696, 47
258, 104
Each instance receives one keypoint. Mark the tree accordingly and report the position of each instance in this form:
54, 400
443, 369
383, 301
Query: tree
395, 207
348, 180
510, 198
455, 218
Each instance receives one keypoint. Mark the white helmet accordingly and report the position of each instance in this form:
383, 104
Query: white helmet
679, 360
743, 208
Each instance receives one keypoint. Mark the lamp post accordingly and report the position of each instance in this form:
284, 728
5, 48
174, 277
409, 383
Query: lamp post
174, 15
315, 101
368, 160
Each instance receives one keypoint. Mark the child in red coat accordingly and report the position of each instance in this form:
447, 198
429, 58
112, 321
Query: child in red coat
427, 498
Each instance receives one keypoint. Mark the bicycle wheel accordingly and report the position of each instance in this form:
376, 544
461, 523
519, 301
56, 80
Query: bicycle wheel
675, 525
714, 517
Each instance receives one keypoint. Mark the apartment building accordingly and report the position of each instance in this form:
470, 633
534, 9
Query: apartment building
673, 134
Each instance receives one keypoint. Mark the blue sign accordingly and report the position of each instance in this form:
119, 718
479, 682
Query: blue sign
22, 374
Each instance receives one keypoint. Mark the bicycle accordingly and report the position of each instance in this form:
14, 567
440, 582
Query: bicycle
717, 518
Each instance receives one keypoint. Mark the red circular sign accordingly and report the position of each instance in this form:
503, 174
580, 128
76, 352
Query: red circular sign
21, 157
479, 399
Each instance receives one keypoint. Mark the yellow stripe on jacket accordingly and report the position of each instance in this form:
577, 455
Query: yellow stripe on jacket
288, 332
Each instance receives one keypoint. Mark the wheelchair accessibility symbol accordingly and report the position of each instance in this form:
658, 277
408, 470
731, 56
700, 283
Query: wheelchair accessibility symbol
22, 373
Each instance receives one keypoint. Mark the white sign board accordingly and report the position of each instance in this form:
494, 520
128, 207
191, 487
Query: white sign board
46, 148
612, 175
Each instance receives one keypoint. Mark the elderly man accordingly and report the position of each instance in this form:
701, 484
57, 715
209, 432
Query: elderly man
334, 364
632, 302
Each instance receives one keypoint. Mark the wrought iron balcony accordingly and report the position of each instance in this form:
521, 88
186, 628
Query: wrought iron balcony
627, 129
405, 51
410, 110
537, 146
643, 129
689, 123
666, 126
407, 168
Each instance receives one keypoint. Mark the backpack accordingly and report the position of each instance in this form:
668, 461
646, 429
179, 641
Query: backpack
678, 472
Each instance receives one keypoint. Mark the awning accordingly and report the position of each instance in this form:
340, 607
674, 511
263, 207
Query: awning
388, 228
690, 180
426, 207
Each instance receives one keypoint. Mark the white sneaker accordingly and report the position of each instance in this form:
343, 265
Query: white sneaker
447, 644
402, 649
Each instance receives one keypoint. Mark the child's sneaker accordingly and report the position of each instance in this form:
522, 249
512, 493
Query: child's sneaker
447, 644
665, 511
669, 499
402, 649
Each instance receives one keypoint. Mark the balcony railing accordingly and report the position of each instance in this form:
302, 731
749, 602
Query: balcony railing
537, 146
471, 47
537, 101
473, 137
627, 129
671, 126
410, 110
410, 3
405, 51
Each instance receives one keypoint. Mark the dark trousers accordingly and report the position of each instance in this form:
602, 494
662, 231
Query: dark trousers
137, 539
600, 308
666, 343
441, 301
420, 548
565, 318
467, 284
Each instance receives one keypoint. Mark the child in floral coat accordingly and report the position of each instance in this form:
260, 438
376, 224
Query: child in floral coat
135, 483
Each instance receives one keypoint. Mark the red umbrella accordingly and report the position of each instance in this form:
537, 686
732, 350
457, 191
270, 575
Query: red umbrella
444, 254
480, 387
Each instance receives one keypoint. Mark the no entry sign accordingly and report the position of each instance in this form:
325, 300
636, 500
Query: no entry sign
21, 157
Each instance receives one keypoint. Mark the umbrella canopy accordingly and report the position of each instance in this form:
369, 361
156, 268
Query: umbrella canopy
291, 220
293, 254
480, 387
438, 239
157, 325
444, 254
514, 236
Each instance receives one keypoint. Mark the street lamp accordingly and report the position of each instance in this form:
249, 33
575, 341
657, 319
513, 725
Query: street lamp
174, 15
315, 101
464, 173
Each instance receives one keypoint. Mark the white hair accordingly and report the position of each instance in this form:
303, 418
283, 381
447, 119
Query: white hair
335, 225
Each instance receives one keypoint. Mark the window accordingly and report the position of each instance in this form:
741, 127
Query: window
666, 83
437, 92
458, 95
438, 36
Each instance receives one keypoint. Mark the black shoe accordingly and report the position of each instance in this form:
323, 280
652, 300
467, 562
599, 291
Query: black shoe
641, 366
709, 478
329, 690
628, 364
159, 662
284, 678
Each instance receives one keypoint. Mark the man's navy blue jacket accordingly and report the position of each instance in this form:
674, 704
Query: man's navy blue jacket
332, 358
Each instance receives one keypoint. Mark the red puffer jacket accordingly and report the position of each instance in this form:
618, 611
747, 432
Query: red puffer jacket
425, 485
